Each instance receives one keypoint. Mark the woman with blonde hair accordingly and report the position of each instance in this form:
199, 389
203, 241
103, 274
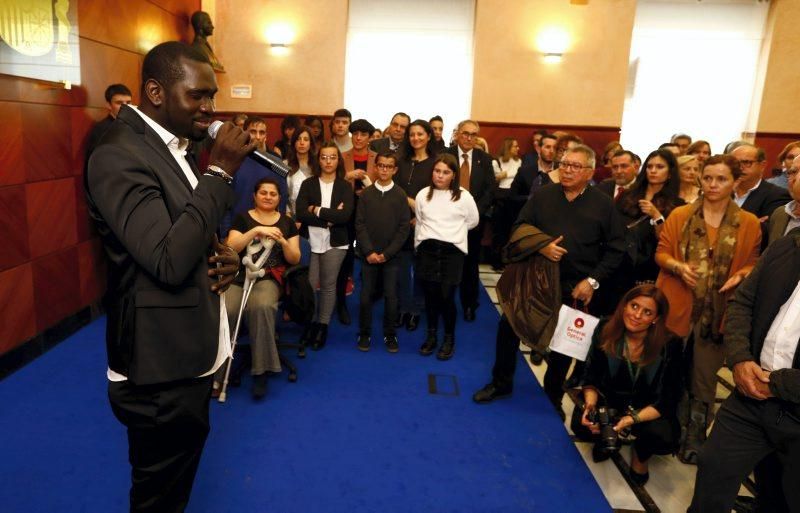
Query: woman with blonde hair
689, 172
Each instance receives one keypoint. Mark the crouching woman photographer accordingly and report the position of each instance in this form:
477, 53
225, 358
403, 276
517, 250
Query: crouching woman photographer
634, 365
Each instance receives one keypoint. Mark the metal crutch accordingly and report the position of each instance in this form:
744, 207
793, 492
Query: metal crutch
253, 271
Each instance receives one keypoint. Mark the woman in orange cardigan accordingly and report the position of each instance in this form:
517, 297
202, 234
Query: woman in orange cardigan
705, 250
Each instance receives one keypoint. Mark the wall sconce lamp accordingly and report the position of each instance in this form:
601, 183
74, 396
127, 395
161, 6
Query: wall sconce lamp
552, 42
280, 37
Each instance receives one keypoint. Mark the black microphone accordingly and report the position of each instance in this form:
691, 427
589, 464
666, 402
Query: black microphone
265, 159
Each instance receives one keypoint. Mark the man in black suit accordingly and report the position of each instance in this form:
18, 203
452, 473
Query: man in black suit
157, 217
116, 95
624, 171
477, 176
397, 132
753, 194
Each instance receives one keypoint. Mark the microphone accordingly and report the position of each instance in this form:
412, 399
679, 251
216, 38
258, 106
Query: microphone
265, 159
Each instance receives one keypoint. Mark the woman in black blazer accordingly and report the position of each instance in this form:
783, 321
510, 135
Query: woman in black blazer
324, 206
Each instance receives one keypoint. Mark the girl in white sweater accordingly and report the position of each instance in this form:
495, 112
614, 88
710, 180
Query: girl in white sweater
445, 212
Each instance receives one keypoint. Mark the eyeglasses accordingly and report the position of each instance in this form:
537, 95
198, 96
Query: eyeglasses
384, 166
329, 158
469, 135
748, 163
572, 166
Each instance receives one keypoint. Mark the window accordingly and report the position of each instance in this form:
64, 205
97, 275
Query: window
694, 67
413, 56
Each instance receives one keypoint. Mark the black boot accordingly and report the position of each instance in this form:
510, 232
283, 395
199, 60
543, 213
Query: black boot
307, 338
320, 337
259, 385
448, 347
429, 346
695, 432
342, 313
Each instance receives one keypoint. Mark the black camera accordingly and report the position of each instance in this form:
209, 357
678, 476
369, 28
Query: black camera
609, 442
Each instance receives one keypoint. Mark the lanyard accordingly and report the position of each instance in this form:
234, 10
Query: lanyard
626, 355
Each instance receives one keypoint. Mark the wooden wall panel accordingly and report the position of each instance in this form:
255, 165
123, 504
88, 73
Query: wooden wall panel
12, 170
18, 315
52, 264
14, 227
773, 144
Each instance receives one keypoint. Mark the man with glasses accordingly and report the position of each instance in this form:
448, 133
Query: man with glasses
588, 245
753, 194
477, 176
397, 132
787, 217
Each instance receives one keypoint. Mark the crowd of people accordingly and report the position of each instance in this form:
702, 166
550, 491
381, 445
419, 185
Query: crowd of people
666, 251
656, 248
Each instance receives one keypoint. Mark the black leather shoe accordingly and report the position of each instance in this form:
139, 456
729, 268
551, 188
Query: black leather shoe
469, 314
412, 322
391, 343
536, 358
343, 314
259, 385
363, 342
448, 348
429, 346
639, 479
489, 393
320, 337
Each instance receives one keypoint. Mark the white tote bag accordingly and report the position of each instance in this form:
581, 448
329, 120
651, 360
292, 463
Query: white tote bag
573, 335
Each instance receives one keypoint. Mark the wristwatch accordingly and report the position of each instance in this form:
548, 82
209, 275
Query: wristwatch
656, 222
594, 283
217, 171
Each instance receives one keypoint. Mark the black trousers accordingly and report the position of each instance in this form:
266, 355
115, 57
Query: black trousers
745, 432
505, 358
440, 301
659, 436
167, 429
468, 290
371, 276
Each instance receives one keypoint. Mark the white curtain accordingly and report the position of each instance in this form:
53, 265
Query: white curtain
413, 56
693, 70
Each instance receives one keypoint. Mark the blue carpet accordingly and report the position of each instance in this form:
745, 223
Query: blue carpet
358, 432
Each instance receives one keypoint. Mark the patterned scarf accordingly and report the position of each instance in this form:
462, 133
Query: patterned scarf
712, 264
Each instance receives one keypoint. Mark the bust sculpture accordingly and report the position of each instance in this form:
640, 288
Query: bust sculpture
203, 28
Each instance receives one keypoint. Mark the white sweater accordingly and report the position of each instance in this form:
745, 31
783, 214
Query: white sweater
443, 219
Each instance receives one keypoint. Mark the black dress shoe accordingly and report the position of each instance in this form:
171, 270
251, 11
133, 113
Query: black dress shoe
489, 393
429, 346
343, 314
412, 322
469, 314
639, 479
259, 385
320, 337
448, 348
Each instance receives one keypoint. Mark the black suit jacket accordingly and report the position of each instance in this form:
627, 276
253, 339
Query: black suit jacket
382, 145
163, 319
765, 199
481, 178
311, 194
608, 186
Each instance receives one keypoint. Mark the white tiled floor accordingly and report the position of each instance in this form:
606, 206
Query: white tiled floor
671, 482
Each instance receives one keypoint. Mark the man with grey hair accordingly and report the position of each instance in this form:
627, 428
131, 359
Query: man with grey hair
588, 242
753, 194
477, 176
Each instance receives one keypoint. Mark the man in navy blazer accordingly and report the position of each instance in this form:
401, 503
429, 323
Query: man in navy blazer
481, 185
157, 217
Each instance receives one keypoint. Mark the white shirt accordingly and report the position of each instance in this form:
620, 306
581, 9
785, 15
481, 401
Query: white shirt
780, 343
741, 199
293, 183
177, 147
794, 221
461, 154
383, 188
511, 167
346, 144
320, 238
443, 219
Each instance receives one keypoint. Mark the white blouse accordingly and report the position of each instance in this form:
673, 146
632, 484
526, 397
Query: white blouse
320, 238
511, 167
443, 219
